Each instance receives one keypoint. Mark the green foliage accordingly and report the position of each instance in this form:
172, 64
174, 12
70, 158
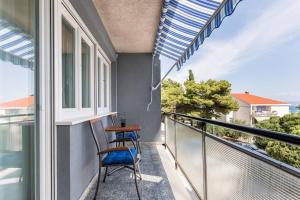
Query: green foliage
172, 95
284, 152
221, 131
191, 75
272, 124
208, 99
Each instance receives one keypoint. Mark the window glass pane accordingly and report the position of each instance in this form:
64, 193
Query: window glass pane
105, 84
68, 65
17, 98
85, 75
99, 82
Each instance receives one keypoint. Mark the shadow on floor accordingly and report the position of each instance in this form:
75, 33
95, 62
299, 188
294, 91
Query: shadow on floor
120, 185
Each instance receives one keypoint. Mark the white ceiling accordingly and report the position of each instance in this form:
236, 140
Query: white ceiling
131, 24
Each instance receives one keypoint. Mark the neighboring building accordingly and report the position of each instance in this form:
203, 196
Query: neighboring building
18, 106
254, 108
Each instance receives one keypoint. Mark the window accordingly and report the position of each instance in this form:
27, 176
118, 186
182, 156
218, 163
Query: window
19, 125
68, 65
82, 74
85, 75
103, 82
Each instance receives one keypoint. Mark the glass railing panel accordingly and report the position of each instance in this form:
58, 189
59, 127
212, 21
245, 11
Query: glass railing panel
170, 135
16, 134
189, 155
233, 174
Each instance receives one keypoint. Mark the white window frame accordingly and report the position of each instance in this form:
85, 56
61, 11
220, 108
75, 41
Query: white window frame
65, 9
86, 111
64, 113
102, 109
108, 84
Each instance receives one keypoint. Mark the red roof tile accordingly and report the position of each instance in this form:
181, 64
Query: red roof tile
252, 99
23, 102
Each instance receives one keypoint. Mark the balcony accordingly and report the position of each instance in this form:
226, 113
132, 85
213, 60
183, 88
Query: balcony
160, 179
206, 167
264, 113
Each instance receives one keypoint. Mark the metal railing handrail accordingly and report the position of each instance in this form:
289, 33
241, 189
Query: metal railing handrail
16, 115
202, 129
283, 137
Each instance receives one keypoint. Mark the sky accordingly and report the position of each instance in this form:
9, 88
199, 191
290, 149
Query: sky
257, 49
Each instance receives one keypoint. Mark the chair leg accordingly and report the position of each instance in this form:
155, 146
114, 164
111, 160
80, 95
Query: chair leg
139, 146
139, 170
135, 180
98, 181
106, 168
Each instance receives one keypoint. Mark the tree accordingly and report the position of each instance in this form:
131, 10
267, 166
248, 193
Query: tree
208, 99
172, 95
290, 124
191, 75
221, 131
272, 124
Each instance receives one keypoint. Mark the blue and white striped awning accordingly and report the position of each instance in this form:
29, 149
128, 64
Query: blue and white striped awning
184, 24
16, 46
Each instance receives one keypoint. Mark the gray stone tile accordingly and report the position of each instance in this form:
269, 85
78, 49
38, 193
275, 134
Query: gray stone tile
120, 185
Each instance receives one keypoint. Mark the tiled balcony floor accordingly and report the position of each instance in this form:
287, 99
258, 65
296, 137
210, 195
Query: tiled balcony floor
160, 180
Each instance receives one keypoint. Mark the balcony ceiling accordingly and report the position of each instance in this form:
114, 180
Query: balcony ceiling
131, 25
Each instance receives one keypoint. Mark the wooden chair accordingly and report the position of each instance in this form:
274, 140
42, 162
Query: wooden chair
113, 156
120, 135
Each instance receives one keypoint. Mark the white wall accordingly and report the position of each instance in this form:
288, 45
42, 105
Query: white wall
281, 109
244, 112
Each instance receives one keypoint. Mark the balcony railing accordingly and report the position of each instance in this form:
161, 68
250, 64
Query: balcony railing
220, 169
264, 113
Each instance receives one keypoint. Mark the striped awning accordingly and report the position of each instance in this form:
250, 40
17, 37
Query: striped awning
16, 46
184, 24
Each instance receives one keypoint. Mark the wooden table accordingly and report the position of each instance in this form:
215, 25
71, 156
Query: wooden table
127, 128
123, 130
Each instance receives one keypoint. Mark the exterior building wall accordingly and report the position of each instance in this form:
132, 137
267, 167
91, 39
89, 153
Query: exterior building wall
77, 162
76, 152
90, 17
281, 109
133, 93
244, 112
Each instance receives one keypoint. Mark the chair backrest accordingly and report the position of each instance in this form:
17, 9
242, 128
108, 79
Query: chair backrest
98, 134
115, 120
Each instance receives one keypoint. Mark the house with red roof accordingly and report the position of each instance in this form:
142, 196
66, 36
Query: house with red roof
17, 106
255, 108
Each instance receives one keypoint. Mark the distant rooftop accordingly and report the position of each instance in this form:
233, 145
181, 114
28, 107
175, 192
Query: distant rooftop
19, 103
252, 99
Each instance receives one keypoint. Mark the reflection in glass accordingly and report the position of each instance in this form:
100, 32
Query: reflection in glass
85, 75
68, 65
17, 100
99, 83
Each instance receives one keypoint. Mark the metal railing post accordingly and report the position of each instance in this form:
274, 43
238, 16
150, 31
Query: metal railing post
175, 140
165, 121
203, 130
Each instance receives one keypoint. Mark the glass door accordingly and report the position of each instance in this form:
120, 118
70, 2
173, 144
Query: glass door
18, 39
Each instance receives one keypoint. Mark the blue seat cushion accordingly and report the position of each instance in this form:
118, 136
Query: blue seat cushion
119, 157
127, 135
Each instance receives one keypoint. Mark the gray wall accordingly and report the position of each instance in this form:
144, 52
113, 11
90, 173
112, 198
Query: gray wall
133, 93
76, 159
88, 13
